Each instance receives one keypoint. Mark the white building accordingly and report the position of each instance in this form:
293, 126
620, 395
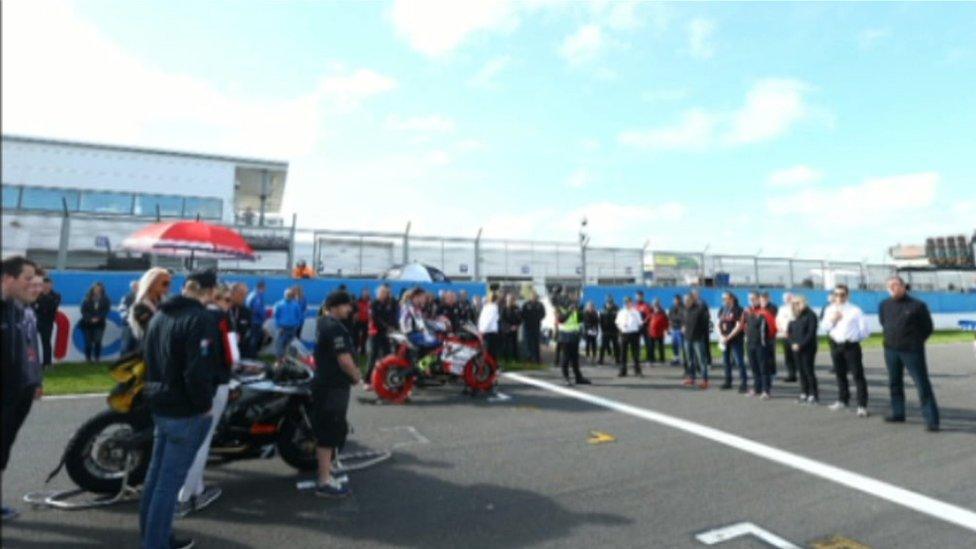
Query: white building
111, 191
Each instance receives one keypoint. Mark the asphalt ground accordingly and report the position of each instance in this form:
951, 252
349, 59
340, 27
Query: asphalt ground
520, 472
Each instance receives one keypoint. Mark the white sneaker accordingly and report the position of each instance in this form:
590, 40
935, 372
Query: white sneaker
862, 411
764, 396
812, 400
837, 406
801, 399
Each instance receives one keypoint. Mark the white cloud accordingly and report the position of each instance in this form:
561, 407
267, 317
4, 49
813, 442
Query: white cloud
438, 27
868, 38
797, 176
470, 145
771, 108
487, 76
585, 45
700, 38
434, 123
579, 179
63, 78
876, 200
665, 94
589, 144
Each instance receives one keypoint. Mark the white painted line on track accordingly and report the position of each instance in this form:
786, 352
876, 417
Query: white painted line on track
720, 535
74, 397
940, 510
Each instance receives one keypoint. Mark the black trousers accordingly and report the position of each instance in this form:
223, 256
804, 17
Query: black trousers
360, 333
657, 347
631, 344
45, 331
493, 344
379, 347
609, 343
805, 361
15, 410
648, 344
847, 357
590, 346
510, 342
93, 342
570, 355
532, 346
789, 360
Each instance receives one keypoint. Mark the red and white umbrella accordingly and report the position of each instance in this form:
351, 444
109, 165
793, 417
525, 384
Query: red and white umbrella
190, 239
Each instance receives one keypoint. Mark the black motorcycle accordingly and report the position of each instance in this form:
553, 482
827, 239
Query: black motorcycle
267, 413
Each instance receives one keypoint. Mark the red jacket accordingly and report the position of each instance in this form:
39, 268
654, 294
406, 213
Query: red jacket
362, 315
645, 310
658, 325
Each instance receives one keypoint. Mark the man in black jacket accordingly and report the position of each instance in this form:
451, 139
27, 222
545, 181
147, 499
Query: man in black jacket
181, 365
47, 312
696, 329
240, 319
907, 323
18, 392
609, 333
533, 312
384, 317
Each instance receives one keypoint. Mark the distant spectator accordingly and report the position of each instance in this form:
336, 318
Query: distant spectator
302, 270
47, 312
760, 335
511, 322
609, 333
644, 308
657, 327
731, 329
630, 324
151, 290
383, 318
240, 319
847, 328
802, 339
94, 314
569, 323
299, 292
20, 384
255, 303
288, 318
696, 329
533, 313
450, 309
676, 318
360, 325
784, 316
467, 309
591, 329
488, 321
907, 324
124, 307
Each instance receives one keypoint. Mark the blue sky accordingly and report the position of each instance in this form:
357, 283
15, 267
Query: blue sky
819, 129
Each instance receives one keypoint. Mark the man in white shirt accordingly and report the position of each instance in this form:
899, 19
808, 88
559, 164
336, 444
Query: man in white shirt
629, 322
846, 328
783, 319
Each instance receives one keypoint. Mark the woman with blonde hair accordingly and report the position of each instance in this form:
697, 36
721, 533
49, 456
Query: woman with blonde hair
488, 325
802, 339
153, 288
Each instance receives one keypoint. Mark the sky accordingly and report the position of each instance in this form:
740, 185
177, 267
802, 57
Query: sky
829, 130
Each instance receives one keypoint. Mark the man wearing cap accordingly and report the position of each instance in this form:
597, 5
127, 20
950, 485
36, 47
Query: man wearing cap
181, 365
336, 372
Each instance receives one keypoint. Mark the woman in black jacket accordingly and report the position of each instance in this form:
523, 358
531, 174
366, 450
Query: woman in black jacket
94, 311
591, 328
802, 336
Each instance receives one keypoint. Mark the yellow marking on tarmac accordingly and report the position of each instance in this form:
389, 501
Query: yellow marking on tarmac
838, 542
599, 437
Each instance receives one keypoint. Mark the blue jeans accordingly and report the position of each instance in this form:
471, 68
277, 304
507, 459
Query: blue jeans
256, 338
678, 346
176, 443
698, 357
284, 337
914, 362
735, 350
762, 371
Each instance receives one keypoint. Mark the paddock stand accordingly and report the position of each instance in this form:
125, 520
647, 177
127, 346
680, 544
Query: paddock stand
65, 500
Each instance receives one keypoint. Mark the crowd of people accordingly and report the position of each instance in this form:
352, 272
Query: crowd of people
192, 341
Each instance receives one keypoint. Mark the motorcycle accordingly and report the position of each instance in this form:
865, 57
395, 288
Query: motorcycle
458, 355
267, 413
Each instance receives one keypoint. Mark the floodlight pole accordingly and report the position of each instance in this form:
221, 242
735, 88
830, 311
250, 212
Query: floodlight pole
406, 244
291, 242
62, 262
477, 255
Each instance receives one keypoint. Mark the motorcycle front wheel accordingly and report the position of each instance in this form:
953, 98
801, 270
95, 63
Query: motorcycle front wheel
392, 380
296, 441
105, 446
481, 372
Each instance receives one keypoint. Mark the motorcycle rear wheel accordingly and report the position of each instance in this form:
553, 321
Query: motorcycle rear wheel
98, 453
391, 380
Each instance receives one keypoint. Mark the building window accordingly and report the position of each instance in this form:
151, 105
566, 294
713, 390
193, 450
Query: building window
101, 202
146, 204
40, 198
11, 196
207, 208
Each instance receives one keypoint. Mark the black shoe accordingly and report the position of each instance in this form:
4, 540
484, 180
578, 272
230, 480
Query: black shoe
622, 374
932, 428
583, 381
894, 419
180, 543
639, 373
726, 386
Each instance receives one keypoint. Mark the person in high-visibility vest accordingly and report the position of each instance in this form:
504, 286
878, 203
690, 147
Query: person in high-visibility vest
569, 316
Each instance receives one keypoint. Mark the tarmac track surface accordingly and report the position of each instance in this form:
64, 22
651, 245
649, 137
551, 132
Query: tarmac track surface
520, 472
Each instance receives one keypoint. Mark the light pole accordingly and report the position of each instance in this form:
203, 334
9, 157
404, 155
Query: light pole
584, 239
701, 274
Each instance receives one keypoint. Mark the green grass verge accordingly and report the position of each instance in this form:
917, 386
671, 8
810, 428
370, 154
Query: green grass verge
67, 378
